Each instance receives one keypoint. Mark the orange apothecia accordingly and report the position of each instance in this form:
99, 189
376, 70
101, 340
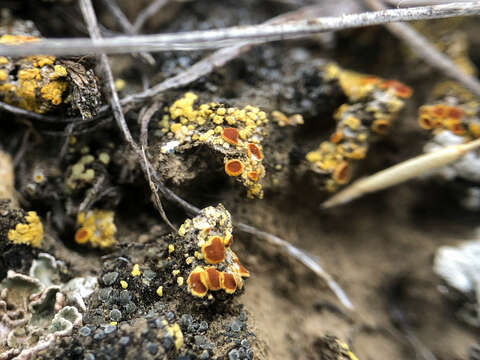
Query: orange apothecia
233, 167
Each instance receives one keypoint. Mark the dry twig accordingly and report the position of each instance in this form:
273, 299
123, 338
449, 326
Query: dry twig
211, 39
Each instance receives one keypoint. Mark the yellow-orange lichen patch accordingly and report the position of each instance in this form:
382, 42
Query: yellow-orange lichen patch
196, 282
454, 126
228, 282
253, 175
213, 250
341, 174
241, 269
427, 122
230, 135
254, 152
455, 113
212, 276
17, 39
82, 235
401, 90
30, 233
233, 167
381, 126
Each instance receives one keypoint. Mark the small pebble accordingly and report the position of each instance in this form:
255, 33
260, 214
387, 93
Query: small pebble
130, 307
110, 278
203, 326
115, 315
85, 331
236, 326
243, 316
233, 355
152, 348
205, 355
159, 323
170, 316
110, 329
104, 293
89, 356
99, 335
124, 340
149, 274
245, 343
124, 297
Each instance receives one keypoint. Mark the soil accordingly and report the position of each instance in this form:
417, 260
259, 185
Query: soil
379, 248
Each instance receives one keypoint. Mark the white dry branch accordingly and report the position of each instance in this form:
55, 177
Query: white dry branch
210, 39
401, 172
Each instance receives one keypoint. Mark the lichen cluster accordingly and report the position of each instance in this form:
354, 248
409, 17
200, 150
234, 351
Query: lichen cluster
97, 228
370, 110
34, 83
37, 309
235, 133
454, 109
212, 264
29, 231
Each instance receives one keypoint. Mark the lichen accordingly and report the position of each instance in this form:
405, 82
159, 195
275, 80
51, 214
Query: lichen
214, 266
226, 129
34, 83
30, 232
370, 110
97, 228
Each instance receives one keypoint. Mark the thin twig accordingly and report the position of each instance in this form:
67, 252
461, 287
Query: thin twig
425, 50
402, 172
210, 39
153, 8
145, 118
156, 198
127, 27
87, 202
91, 21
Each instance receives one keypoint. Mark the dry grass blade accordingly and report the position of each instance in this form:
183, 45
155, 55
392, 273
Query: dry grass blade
210, 39
427, 51
401, 172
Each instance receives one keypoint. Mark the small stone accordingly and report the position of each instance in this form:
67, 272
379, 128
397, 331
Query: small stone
149, 274
167, 343
110, 329
203, 326
110, 278
236, 326
186, 320
89, 356
233, 355
85, 331
245, 343
104, 293
152, 348
200, 340
130, 307
170, 316
124, 297
204, 355
124, 340
115, 315
99, 335
243, 316
77, 350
